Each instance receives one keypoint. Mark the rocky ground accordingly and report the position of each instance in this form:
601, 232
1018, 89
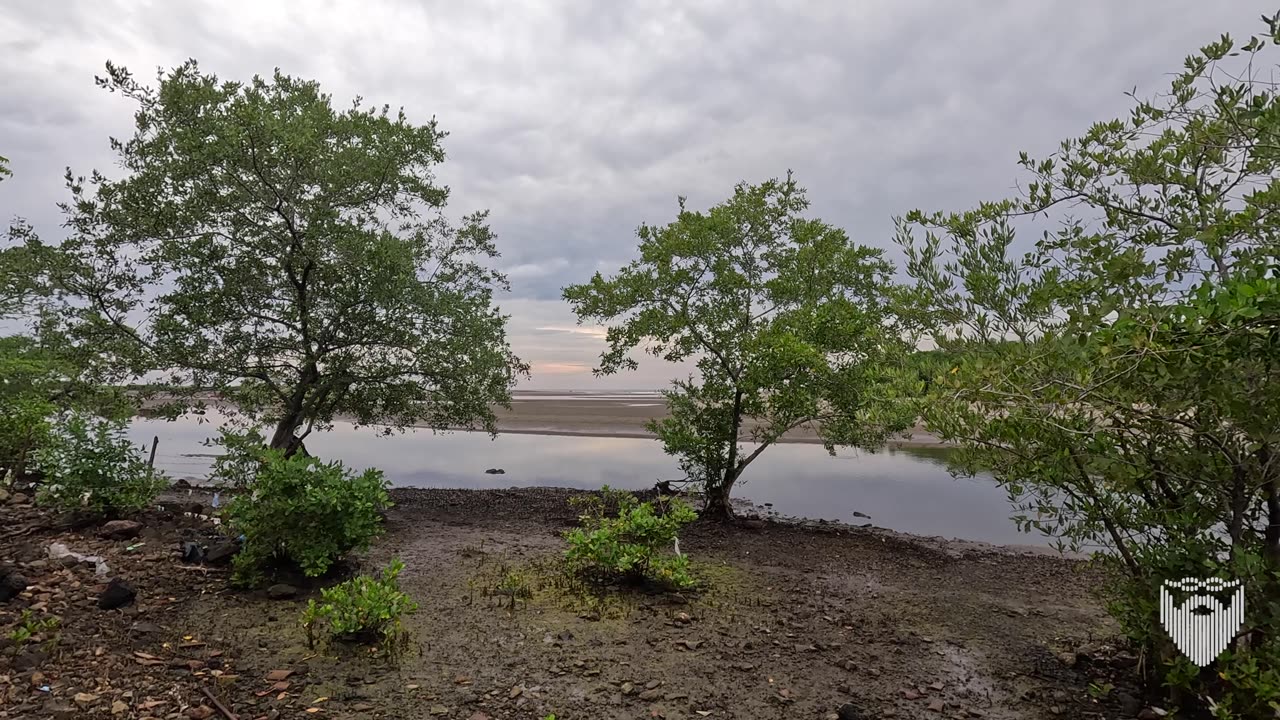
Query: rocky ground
819, 622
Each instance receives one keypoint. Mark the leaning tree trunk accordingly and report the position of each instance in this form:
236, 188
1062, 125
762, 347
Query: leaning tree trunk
284, 438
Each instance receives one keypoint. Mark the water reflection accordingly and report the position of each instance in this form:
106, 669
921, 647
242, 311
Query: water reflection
906, 490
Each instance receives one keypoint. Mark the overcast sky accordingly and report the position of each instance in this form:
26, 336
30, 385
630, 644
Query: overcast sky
573, 122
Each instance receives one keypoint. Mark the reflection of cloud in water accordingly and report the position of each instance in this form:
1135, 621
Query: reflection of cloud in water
908, 490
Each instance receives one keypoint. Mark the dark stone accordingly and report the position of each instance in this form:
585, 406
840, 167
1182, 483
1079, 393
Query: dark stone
1129, 705
281, 591
120, 529
220, 553
182, 484
118, 594
495, 471
11, 584
192, 553
754, 524
849, 711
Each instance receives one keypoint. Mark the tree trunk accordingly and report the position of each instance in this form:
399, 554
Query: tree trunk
717, 504
285, 440
717, 507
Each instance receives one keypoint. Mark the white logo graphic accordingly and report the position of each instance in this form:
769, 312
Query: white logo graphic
1201, 625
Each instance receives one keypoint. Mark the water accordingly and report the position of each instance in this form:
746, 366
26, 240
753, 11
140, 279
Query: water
906, 490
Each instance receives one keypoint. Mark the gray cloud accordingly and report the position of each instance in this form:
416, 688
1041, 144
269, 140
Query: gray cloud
576, 121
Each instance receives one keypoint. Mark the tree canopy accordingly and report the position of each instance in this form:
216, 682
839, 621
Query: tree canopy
290, 255
1120, 378
790, 324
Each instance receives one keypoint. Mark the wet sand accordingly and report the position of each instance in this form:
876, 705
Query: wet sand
621, 415
618, 416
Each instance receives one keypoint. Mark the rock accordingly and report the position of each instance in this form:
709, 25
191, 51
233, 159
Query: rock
11, 583
849, 711
653, 694
937, 706
652, 684
118, 594
477, 715
754, 524
221, 553
119, 707
19, 499
1150, 714
683, 618
1129, 705
200, 712
628, 688
4, 496
192, 553
495, 471
84, 699
438, 710
120, 529
910, 694
281, 591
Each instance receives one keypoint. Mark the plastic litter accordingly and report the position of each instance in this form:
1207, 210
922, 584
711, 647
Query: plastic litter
58, 551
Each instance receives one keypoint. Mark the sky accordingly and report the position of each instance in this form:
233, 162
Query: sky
574, 122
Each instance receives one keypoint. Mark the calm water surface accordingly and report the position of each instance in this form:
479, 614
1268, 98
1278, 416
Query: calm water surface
906, 490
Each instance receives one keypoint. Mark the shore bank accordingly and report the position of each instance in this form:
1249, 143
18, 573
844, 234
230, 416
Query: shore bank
791, 622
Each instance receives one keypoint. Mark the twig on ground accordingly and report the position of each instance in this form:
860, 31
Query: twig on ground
218, 704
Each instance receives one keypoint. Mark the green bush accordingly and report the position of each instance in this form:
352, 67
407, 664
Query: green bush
24, 427
361, 609
631, 545
88, 464
303, 511
242, 457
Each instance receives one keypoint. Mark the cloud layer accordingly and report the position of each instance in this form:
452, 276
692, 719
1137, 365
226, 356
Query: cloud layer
576, 121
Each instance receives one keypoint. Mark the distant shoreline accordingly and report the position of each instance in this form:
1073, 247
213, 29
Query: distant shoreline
615, 414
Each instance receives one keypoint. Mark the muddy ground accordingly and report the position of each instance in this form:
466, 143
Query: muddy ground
793, 623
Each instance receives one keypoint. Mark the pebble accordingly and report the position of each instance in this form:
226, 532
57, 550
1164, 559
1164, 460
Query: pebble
117, 594
281, 591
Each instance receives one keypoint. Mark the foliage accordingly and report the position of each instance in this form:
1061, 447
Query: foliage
789, 322
300, 510
289, 254
24, 426
361, 608
631, 545
243, 456
1120, 378
89, 465
32, 629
